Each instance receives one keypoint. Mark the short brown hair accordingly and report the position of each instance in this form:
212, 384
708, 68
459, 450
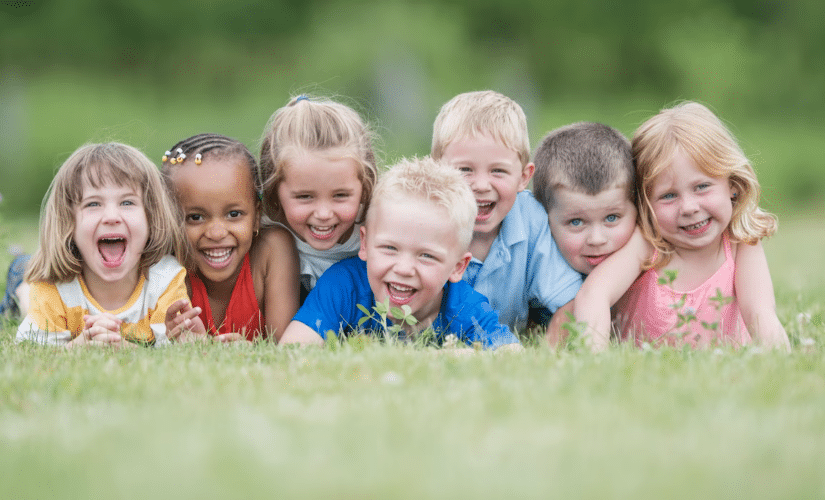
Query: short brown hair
587, 157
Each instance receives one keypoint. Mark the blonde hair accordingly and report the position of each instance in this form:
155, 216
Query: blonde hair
693, 130
434, 181
312, 124
57, 258
472, 114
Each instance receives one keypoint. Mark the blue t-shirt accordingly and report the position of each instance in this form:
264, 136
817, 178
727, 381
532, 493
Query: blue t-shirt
332, 305
524, 266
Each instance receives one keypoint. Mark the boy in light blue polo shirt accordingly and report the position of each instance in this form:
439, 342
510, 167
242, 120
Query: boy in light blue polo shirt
413, 254
515, 261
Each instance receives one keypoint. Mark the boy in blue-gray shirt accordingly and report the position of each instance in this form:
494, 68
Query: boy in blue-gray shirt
413, 253
515, 261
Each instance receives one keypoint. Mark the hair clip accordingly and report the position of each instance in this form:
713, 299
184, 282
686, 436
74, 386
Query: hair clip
198, 159
165, 156
302, 97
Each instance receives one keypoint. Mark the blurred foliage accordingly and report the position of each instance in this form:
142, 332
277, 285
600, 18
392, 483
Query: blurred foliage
151, 72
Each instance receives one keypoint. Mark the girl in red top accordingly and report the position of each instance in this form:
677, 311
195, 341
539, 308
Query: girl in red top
243, 279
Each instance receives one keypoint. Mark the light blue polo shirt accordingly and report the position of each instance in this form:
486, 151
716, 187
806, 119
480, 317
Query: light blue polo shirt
523, 264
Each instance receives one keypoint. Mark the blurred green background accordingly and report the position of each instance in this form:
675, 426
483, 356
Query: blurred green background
152, 72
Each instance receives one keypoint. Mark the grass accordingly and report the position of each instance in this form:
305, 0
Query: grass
379, 421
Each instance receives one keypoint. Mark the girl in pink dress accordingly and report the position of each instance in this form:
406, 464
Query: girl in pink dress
694, 272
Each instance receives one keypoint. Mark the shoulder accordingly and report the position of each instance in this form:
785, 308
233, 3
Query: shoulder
351, 269
528, 205
273, 243
165, 269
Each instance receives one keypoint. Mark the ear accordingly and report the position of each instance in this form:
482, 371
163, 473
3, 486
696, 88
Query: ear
526, 174
460, 267
362, 250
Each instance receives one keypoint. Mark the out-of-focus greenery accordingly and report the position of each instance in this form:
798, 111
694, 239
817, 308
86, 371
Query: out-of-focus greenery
150, 73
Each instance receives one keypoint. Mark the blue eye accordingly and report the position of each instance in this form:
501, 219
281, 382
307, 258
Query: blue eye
576, 222
611, 218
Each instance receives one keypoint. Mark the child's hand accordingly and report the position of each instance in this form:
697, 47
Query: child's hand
183, 323
232, 337
100, 329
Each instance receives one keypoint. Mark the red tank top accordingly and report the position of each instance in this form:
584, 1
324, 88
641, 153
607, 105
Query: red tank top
242, 312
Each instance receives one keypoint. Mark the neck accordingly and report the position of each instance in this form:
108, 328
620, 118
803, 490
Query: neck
481, 243
111, 295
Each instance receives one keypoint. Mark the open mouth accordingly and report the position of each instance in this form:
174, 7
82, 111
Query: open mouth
112, 250
485, 210
322, 232
698, 228
217, 257
400, 294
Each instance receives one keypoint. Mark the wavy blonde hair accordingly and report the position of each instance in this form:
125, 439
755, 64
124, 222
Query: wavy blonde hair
314, 124
694, 130
57, 258
436, 182
483, 112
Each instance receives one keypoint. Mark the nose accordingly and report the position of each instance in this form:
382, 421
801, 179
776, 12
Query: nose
216, 231
689, 205
596, 236
111, 213
403, 265
322, 211
480, 183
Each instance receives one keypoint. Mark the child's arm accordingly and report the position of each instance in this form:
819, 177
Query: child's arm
299, 333
606, 285
282, 281
754, 293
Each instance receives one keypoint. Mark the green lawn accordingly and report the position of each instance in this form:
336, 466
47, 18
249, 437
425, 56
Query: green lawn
379, 421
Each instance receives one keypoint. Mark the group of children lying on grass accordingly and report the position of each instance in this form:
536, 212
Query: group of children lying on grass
655, 241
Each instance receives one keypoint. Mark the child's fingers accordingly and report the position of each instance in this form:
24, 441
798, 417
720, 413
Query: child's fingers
179, 306
231, 337
91, 320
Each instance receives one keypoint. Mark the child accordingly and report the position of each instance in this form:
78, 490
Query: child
515, 261
585, 180
102, 273
698, 208
413, 253
243, 279
319, 170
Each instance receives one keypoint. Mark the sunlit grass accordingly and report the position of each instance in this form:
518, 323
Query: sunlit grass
378, 421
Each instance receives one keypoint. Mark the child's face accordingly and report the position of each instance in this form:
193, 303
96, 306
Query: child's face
411, 251
588, 228
692, 209
495, 174
220, 214
111, 231
321, 194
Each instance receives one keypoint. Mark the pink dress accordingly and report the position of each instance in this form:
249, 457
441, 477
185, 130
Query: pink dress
646, 312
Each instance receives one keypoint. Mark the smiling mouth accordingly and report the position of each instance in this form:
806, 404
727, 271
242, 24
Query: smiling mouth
112, 250
485, 209
322, 232
699, 227
400, 294
217, 257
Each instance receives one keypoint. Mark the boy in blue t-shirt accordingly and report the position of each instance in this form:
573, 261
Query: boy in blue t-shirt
515, 262
413, 253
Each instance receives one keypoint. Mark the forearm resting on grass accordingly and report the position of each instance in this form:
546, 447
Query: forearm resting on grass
605, 286
757, 303
299, 333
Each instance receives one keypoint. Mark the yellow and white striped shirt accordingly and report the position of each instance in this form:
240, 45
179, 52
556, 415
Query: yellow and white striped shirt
56, 311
